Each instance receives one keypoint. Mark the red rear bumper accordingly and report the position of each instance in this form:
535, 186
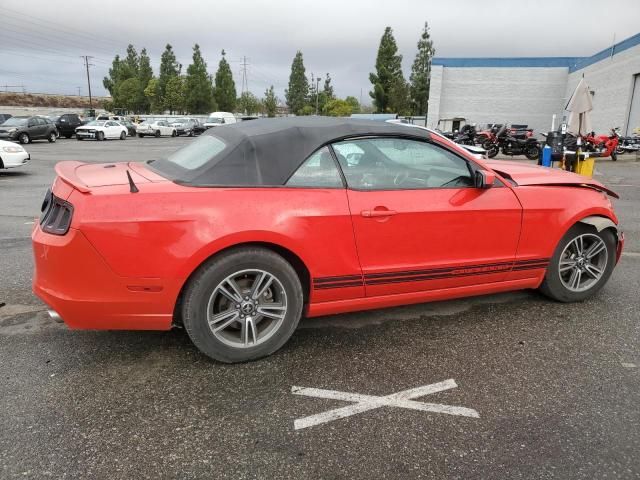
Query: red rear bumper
74, 280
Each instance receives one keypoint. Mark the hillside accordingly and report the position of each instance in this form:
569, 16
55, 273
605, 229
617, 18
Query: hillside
46, 100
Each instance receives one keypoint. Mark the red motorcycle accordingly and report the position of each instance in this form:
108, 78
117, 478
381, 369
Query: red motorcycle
607, 145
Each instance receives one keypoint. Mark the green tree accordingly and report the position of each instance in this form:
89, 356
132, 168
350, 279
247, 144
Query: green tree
355, 105
111, 81
338, 108
328, 88
169, 68
128, 94
421, 73
130, 64
225, 87
248, 103
145, 74
399, 97
152, 94
199, 92
388, 70
174, 95
270, 102
298, 90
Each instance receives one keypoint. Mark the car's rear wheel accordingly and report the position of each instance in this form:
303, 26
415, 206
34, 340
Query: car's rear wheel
174, 133
123, 136
24, 138
67, 136
53, 136
242, 305
140, 135
581, 265
157, 133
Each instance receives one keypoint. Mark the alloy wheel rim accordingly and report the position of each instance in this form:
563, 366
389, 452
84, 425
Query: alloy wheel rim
583, 262
247, 308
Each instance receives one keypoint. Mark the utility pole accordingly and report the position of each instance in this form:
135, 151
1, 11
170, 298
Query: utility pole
87, 65
317, 92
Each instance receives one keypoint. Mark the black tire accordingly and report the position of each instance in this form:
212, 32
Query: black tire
620, 150
140, 135
52, 137
24, 138
123, 136
211, 274
100, 136
157, 134
190, 133
532, 152
553, 287
614, 156
67, 136
79, 138
491, 148
174, 133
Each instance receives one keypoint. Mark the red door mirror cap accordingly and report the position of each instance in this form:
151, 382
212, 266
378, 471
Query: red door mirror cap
489, 178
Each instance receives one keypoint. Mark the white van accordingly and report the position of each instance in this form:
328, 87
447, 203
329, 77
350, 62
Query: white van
219, 118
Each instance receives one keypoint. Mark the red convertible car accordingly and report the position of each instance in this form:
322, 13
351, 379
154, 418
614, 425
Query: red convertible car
252, 226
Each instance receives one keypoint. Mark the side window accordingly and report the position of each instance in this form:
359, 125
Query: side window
317, 171
400, 164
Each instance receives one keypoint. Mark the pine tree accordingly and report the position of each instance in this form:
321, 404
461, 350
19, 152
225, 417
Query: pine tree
174, 95
111, 82
298, 90
421, 73
388, 71
328, 88
198, 91
169, 68
130, 64
145, 74
270, 102
225, 88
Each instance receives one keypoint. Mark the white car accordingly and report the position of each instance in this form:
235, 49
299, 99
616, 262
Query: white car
217, 119
101, 130
157, 128
12, 155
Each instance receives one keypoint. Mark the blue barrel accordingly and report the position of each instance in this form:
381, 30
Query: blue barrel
546, 156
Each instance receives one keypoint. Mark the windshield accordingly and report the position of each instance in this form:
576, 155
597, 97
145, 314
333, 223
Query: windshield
15, 122
96, 123
196, 153
214, 120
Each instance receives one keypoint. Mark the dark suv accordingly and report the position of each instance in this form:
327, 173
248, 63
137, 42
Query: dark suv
26, 129
66, 123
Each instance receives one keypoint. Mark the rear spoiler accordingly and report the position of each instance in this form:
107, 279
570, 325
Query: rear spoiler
66, 172
593, 186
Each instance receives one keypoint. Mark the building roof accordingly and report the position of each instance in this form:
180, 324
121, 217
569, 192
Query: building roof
572, 63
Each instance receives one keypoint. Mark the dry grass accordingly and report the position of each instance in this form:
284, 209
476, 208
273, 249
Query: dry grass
44, 100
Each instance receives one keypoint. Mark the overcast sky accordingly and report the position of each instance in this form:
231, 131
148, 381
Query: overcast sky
40, 46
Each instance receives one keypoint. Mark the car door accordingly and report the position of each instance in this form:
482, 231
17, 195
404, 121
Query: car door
35, 128
111, 129
419, 222
319, 216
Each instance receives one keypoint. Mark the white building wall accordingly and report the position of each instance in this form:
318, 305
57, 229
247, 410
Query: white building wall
498, 95
612, 81
435, 92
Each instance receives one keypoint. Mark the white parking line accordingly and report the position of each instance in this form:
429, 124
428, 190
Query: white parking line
365, 403
628, 365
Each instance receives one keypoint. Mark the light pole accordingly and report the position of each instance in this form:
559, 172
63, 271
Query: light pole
317, 93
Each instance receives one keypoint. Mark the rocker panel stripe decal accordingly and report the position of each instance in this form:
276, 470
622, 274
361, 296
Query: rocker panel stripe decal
342, 281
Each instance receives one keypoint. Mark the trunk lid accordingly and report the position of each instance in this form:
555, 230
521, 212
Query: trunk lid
85, 176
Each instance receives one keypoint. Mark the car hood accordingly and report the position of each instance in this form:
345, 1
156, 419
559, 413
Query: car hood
85, 176
527, 174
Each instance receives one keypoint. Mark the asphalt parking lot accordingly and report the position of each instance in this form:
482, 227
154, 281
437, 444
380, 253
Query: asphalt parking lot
555, 387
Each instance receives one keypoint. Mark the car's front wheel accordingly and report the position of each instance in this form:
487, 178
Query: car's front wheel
123, 135
100, 136
24, 138
242, 305
53, 136
581, 265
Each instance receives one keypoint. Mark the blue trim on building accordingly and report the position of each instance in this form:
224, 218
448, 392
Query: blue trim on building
608, 52
542, 62
572, 63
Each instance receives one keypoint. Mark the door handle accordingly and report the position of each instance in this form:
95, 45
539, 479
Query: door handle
377, 213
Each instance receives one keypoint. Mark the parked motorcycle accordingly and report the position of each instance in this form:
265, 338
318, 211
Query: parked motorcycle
466, 135
528, 146
607, 145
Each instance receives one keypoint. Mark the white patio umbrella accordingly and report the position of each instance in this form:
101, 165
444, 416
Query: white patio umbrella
579, 108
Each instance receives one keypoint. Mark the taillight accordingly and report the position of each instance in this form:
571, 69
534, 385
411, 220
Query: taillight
56, 214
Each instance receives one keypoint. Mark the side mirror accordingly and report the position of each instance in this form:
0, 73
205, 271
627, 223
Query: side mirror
484, 179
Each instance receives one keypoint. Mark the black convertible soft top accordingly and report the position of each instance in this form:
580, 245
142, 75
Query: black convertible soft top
266, 152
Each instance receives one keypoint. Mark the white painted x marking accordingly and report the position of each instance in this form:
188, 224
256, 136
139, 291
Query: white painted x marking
364, 403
